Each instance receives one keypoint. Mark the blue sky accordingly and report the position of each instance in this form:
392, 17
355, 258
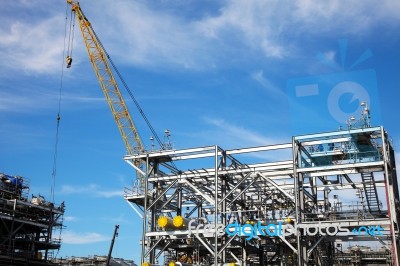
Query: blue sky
212, 72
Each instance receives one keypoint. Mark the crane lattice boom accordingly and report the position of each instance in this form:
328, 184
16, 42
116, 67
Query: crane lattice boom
98, 58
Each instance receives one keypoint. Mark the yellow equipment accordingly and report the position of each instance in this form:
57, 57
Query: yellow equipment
98, 58
180, 222
165, 222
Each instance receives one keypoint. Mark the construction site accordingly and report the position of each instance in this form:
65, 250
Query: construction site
320, 199
331, 199
30, 226
324, 199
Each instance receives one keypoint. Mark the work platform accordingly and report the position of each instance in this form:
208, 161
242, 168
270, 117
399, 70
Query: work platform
299, 203
27, 224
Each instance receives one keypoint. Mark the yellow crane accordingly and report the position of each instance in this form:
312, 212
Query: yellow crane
100, 62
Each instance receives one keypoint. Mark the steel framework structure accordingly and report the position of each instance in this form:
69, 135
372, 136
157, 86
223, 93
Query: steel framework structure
296, 203
27, 224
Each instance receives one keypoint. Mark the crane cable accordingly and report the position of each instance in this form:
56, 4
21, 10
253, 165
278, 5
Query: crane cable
54, 172
71, 33
133, 99
129, 91
58, 118
174, 167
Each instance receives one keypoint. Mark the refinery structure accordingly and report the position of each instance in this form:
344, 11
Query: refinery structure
30, 225
329, 198
322, 199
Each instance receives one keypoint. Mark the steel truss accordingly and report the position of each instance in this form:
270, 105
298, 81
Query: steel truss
27, 224
296, 203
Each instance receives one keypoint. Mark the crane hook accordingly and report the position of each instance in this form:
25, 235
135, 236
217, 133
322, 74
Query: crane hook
69, 61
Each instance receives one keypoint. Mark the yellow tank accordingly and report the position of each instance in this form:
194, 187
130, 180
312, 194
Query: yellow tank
179, 222
165, 222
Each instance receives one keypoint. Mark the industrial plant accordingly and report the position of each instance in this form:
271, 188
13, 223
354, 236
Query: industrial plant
322, 199
30, 225
327, 198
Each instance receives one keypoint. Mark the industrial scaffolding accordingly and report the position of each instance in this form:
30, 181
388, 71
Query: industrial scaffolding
318, 200
93, 260
27, 224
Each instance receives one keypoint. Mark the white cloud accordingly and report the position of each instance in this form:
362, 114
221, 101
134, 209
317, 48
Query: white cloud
350, 16
26, 101
69, 237
120, 219
260, 78
32, 47
150, 36
257, 25
229, 135
330, 55
251, 23
153, 37
70, 219
91, 189
13, 102
236, 134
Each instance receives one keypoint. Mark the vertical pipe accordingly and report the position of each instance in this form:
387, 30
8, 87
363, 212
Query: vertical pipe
326, 202
299, 202
389, 196
303, 246
243, 213
146, 187
262, 256
49, 230
158, 190
153, 222
244, 254
223, 204
216, 207
179, 211
11, 237
296, 195
200, 210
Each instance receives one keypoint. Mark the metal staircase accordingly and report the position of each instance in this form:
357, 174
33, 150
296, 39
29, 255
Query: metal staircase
323, 254
371, 192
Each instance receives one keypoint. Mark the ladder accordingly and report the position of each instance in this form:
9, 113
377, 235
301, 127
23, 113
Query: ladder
371, 194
